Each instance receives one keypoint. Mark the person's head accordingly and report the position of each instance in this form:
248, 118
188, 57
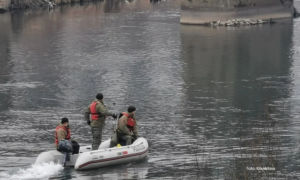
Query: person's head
65, 121
131, 110
99, 96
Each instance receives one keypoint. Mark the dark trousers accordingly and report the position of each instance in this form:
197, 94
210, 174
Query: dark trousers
122, 139
76, 147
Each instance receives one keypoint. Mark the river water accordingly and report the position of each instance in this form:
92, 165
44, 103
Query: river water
212, 102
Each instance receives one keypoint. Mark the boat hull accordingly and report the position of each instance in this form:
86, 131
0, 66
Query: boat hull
113, 156
104, 156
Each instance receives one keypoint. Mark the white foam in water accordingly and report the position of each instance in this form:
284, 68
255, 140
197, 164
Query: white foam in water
41, 171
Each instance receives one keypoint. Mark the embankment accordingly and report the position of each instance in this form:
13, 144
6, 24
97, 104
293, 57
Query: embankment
207, 11
23, 4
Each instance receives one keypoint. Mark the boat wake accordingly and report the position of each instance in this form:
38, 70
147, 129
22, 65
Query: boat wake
41, 171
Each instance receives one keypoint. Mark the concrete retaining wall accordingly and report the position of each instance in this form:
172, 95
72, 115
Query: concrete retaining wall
206, 11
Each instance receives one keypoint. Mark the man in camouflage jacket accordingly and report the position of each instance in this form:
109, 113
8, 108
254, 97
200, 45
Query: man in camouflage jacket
127, 128
95, 116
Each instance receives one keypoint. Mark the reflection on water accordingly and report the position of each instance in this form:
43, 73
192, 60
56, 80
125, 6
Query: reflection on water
234, 61
200, 92
233, 73
5, 55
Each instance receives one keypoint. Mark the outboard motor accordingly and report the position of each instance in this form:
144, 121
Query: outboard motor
65, 147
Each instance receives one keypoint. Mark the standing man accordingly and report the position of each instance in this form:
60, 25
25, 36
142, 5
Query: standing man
98, 113
127, 128
63, 132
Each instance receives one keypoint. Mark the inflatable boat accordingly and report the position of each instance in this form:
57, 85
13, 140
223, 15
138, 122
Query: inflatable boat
104, 156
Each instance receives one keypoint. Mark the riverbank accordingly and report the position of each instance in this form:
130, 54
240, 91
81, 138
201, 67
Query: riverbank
6, 5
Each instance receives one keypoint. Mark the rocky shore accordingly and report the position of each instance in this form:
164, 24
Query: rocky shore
23, 4
241, 22
6, 5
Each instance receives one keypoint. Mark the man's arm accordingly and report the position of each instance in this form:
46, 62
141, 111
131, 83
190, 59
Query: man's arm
87, 113
102, 109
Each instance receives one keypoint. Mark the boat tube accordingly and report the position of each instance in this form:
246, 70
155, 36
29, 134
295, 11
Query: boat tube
104, 156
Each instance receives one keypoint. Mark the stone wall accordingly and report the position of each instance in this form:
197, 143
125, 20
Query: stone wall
232, 4
206, 11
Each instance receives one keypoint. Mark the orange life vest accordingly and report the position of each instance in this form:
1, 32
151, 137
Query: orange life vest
66, 129
130, 122
95, 115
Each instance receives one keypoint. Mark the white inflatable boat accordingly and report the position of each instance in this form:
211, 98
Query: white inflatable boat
104, 156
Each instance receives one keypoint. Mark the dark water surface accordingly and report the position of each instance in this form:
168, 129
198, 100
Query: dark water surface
211, 101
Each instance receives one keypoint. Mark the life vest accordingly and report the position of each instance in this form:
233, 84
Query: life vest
64, 128
130, 121
94, 113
